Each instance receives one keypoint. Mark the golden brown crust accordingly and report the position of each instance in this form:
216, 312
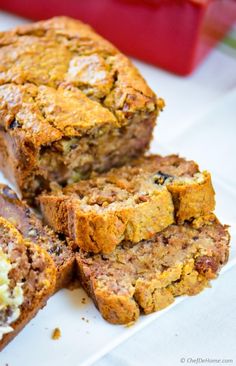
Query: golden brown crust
181, 260
190, 200
31, 304
54, 44
60, 80
102, 232
193, 201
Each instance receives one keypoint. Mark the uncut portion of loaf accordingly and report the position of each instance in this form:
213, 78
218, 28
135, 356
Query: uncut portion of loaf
70, 103
20, 215
129, 203
146, 277
27, 279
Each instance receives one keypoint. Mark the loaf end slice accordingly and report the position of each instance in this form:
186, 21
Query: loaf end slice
27, 279
31, 228
146, 277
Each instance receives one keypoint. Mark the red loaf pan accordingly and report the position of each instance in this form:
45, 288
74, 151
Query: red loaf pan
173, 34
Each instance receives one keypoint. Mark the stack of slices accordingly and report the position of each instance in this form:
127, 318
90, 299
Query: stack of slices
76, 121
146, 234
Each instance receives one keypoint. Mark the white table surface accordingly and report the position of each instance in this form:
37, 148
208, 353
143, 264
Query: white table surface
201, 330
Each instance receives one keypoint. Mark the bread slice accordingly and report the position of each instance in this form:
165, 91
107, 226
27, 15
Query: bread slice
30, 226
146, 277
129, 203
27, 279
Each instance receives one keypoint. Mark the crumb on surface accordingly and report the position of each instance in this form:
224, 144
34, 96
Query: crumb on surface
84, 319
56, 334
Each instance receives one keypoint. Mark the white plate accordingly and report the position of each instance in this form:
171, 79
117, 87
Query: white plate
85, 335
208, 138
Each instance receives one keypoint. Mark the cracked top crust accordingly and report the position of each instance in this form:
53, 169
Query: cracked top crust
58, 77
